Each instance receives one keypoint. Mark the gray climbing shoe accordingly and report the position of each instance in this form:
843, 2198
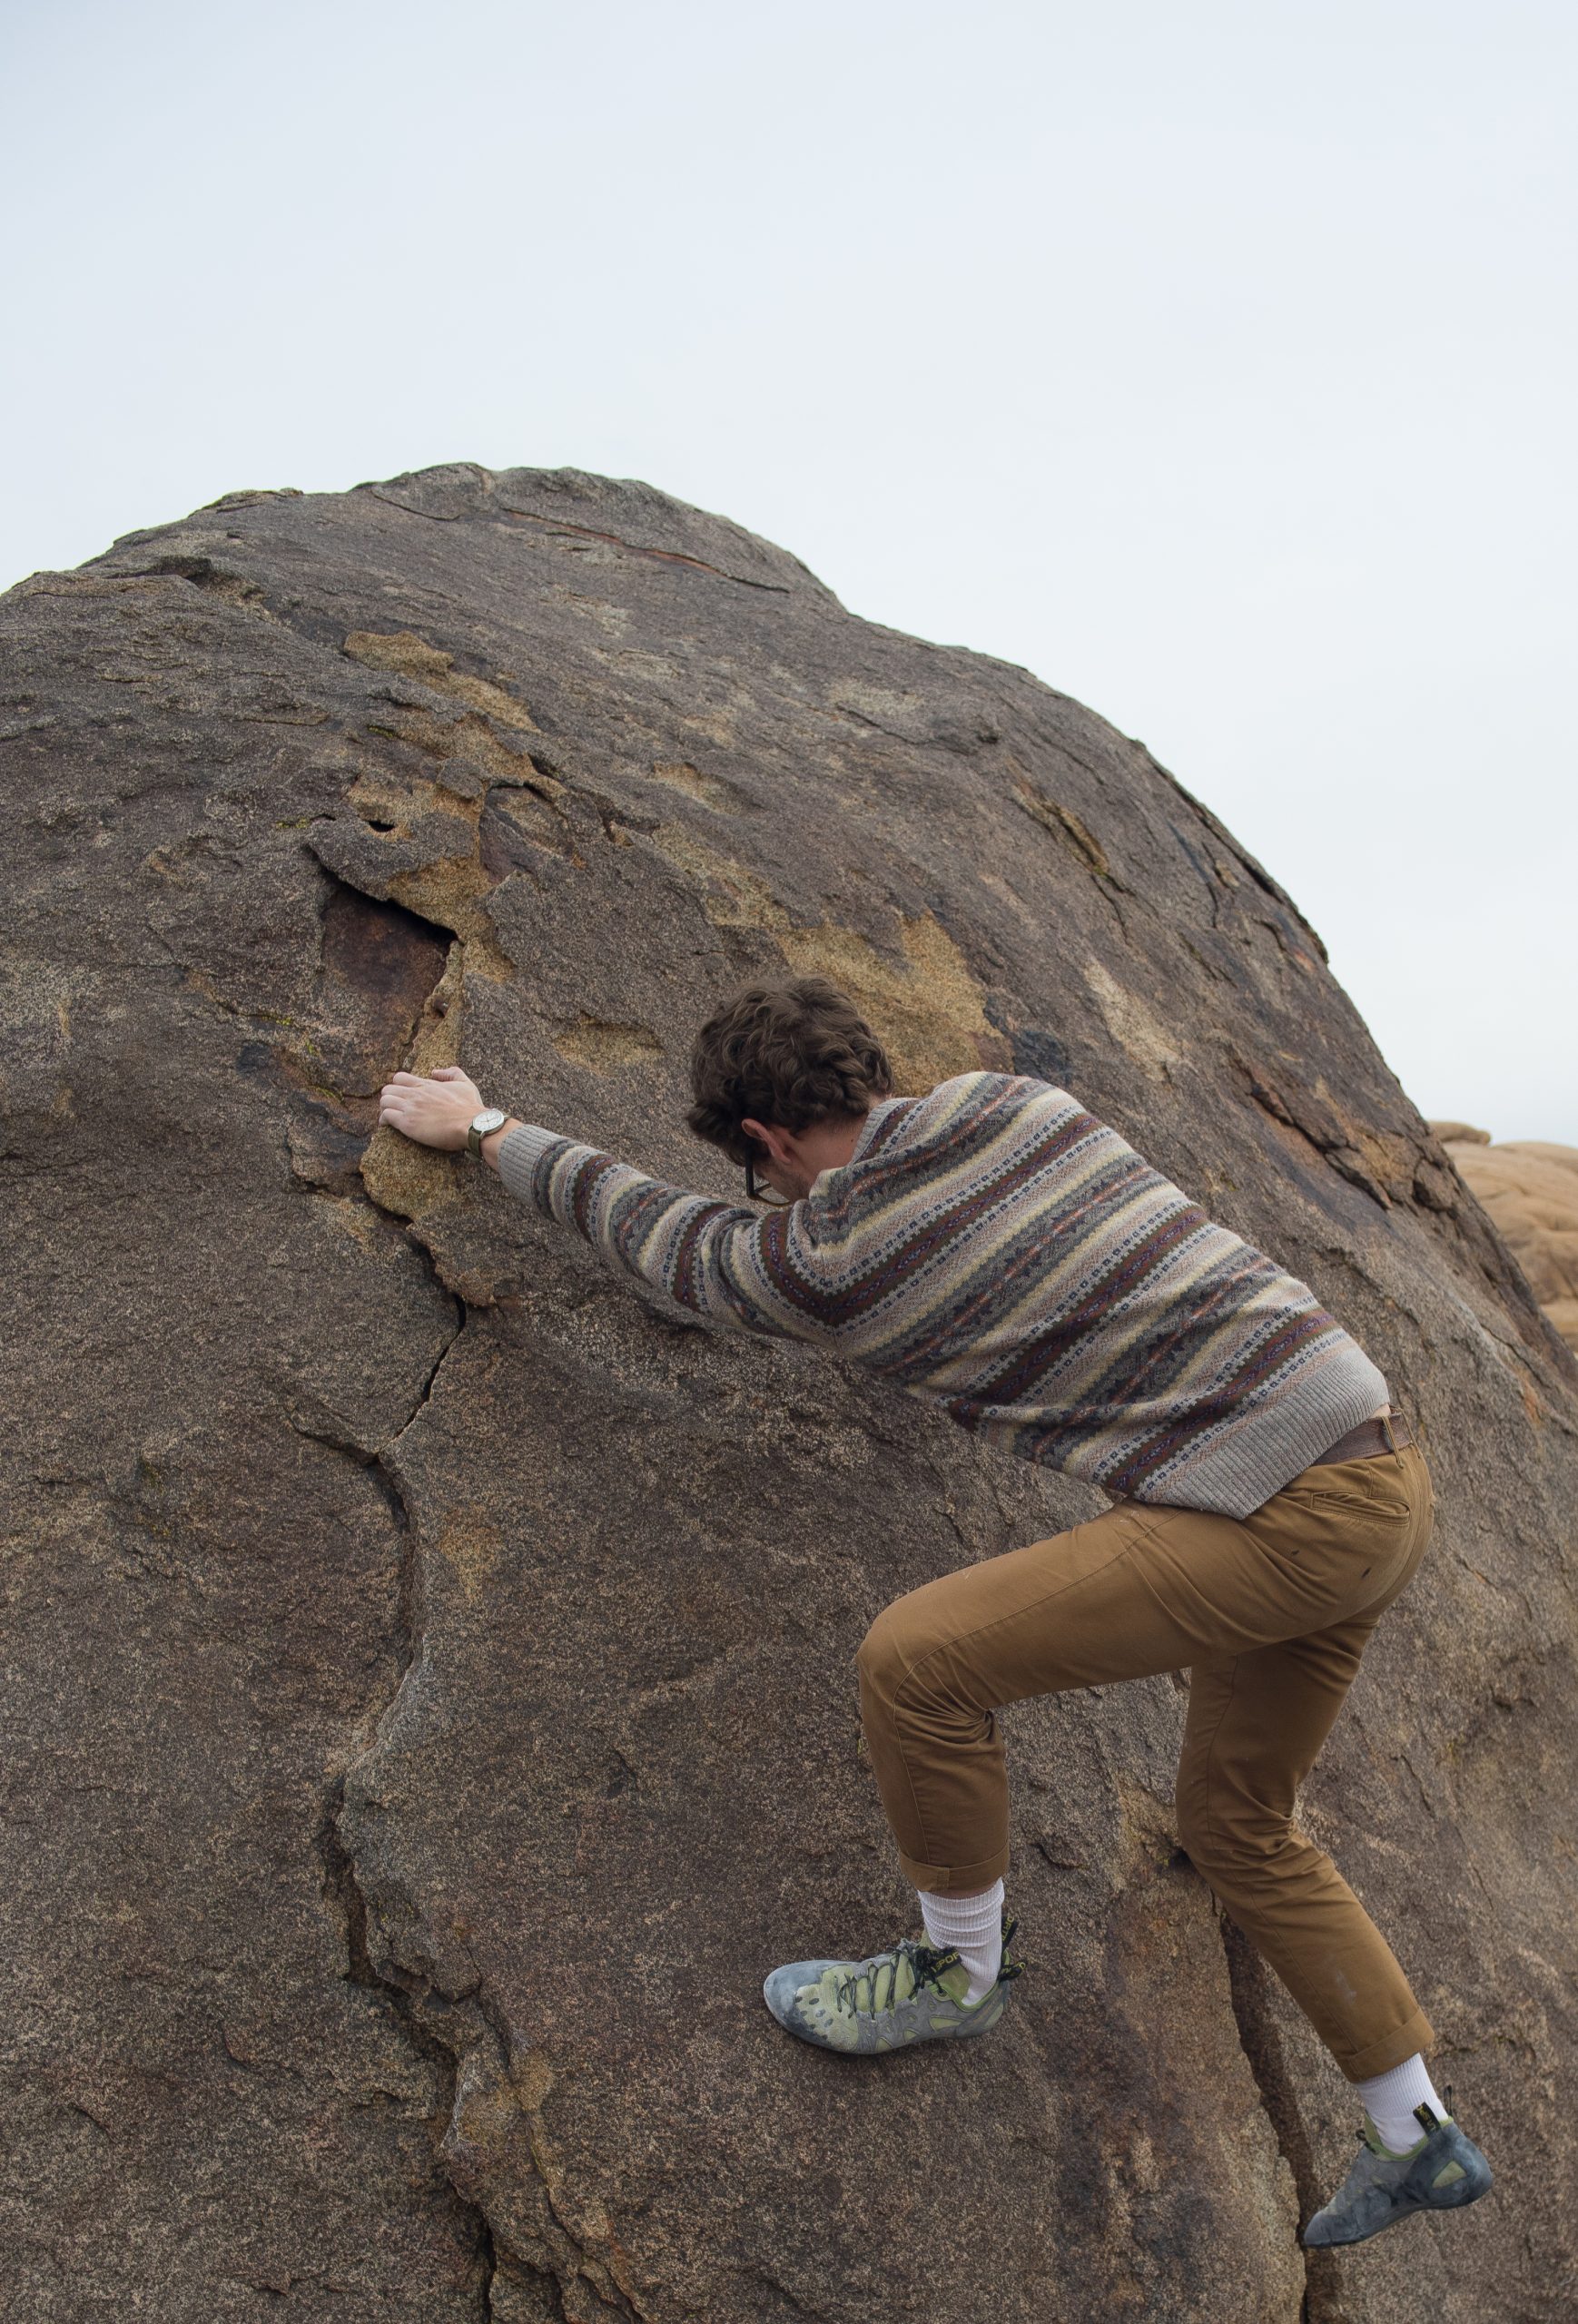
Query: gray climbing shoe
1441, 2173
912, 1993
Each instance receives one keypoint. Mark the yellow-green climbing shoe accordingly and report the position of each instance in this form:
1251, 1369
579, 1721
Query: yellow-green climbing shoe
1441, 2173
912, 1993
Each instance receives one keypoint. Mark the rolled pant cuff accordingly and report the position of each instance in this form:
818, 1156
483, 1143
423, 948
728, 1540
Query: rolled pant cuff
952, 1880
1415, 2033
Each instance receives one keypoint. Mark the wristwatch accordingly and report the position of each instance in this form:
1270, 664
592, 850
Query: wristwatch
489, 1118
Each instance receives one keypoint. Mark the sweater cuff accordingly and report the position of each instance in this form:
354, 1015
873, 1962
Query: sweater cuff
520, 1150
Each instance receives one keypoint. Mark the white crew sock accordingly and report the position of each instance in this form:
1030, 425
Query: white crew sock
1390, 2099
971, 1927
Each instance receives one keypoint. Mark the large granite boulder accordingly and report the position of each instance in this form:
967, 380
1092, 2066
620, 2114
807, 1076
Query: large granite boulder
1529, 1187
430, 1704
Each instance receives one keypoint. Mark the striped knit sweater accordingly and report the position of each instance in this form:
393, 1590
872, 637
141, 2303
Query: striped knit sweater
994, 1247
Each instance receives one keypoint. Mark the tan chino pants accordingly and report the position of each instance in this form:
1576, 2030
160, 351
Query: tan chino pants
1269, 1614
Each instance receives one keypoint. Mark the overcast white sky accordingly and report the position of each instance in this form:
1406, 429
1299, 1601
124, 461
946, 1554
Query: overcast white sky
1215, 358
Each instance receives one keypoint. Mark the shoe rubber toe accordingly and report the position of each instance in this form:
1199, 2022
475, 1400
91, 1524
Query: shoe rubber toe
779, 1989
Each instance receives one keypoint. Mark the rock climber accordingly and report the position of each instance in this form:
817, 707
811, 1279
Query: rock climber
992, 1246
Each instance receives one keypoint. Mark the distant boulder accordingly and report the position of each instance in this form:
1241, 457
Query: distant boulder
1530, 1189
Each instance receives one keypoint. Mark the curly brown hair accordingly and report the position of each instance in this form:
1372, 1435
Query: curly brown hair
795, 1053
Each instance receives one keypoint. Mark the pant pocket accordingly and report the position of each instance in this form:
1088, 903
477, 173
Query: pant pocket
1364, 1489
1343, 1547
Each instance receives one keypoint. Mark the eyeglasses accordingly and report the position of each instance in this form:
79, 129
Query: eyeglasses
768, 1194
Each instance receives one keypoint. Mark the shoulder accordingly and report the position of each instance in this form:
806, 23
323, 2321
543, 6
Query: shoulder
985, 1092
965, 1103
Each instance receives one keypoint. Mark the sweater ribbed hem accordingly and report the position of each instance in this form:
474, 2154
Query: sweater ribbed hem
1273, 1443
520, 1152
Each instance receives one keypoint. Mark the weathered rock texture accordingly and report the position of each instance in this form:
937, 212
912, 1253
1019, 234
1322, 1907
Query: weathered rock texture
1530, 1189
430, 1704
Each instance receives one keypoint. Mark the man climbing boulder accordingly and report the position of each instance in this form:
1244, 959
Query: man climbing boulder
992, 1246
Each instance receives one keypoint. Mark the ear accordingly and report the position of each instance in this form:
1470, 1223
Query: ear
767, 1137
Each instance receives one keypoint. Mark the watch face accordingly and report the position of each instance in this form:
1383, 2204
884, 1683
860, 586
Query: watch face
491, 1119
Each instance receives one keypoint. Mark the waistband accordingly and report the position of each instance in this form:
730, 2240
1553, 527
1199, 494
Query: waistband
1369, 1438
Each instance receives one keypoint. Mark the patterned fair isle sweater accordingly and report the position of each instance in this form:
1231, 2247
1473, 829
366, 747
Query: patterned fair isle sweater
994, 1249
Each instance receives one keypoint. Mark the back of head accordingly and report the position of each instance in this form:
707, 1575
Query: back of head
796, 1053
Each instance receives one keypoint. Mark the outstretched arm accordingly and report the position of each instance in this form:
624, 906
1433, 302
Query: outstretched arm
723, 1261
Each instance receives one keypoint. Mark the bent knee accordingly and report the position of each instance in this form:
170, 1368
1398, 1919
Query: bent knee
1224, 1842
881, 1657
909, 1663
910, 1632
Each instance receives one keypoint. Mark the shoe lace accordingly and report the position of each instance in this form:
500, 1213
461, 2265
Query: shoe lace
929, 1963
1013, 1965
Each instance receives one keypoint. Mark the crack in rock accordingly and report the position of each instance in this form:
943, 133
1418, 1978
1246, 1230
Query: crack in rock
1262, 2048
460, 2032
405, 1997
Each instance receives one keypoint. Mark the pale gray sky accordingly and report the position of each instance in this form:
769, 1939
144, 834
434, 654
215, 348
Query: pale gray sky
1216, 360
